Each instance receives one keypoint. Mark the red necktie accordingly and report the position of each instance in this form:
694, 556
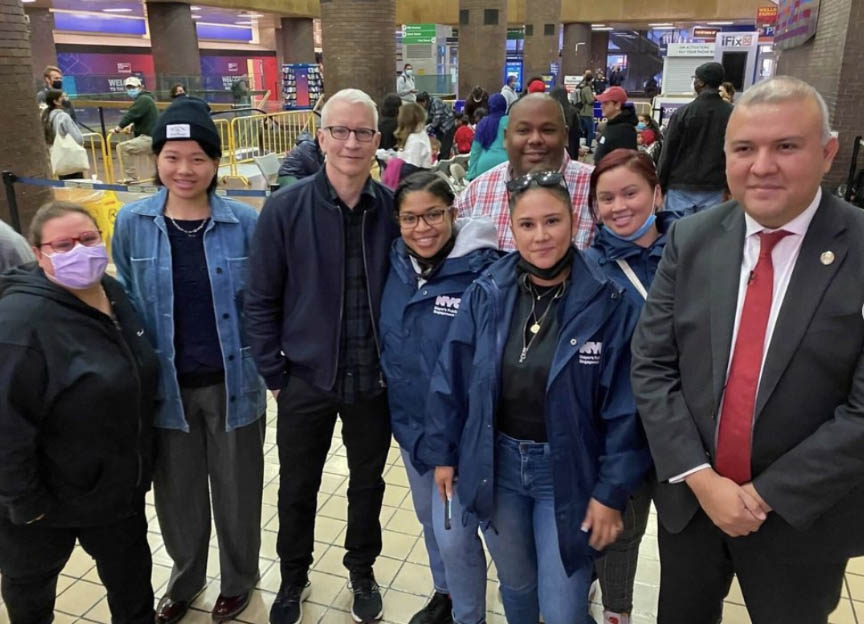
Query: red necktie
734, 437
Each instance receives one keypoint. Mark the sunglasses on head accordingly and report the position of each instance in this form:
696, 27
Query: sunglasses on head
540, 178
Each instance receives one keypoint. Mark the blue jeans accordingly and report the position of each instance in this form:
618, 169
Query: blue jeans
691, 202
456, 556
587, 124
523, 540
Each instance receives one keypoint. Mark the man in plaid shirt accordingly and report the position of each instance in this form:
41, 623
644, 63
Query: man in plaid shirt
535, 138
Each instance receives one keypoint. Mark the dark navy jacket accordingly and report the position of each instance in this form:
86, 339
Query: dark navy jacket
296, 279
415, 321
597, 444
606, 249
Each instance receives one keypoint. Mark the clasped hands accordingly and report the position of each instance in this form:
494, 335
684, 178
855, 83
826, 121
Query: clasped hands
737, 510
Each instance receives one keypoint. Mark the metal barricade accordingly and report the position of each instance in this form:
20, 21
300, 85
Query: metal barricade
100, 160
223, 126
276, 133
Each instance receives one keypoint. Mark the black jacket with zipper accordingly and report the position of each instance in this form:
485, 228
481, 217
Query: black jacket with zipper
693, 158
77, 398
620, 133
296, 288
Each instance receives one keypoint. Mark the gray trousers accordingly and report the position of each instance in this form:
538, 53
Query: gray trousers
191, 468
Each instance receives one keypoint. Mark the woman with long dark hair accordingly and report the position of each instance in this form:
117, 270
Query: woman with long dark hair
488, 149
56, 123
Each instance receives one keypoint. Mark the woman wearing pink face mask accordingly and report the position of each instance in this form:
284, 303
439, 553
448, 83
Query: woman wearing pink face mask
77, 387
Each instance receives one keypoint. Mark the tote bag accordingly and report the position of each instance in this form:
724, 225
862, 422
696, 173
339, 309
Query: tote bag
67, 156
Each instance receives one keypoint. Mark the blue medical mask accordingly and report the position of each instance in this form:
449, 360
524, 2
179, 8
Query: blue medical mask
133, 93
638, 233
641, 125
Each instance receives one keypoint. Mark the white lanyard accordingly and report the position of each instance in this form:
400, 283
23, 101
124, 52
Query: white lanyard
632, 277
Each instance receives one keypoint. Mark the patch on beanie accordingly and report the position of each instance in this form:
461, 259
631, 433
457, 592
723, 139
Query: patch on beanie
177, 131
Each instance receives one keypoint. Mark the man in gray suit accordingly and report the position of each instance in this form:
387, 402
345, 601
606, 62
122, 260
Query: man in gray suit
748, 370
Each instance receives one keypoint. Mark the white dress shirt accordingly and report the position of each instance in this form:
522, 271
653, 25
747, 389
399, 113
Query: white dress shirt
783, 257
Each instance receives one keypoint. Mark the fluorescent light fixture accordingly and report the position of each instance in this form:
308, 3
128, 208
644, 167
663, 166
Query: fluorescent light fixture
664, 28
194, 8
196, 17
27, 1
116, 10
598, 25
720, 23
602, 28
662, 24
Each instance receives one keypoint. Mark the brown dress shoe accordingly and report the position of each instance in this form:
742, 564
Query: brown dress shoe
171, 611
229, 607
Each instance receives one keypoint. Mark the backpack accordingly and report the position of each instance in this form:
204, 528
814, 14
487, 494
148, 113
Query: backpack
578, 102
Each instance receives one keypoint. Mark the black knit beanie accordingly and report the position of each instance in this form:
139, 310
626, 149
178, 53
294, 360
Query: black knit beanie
187, 119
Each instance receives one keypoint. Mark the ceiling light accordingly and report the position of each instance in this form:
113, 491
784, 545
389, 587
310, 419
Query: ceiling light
598, 25
27, 1
662, 24
664, 28
196, 17
116, 10
194, 8
720, 23
602, 28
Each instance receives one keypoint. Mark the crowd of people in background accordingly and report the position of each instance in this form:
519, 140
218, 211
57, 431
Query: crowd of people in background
553, 348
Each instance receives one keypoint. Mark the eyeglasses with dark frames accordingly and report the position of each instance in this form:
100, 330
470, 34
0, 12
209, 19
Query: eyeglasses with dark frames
62, 245
341, 133
409, 221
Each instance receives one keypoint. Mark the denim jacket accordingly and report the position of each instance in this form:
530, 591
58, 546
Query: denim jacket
142, 254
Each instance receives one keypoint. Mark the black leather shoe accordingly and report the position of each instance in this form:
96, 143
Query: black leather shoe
438, 611
228, 607
171, 611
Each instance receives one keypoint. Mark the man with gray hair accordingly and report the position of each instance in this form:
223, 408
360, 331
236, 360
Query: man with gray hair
748, 371
316, 274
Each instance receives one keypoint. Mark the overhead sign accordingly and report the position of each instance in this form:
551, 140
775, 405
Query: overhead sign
766, 22
419, 33
796, 23
705, 33
737, 40
691, 49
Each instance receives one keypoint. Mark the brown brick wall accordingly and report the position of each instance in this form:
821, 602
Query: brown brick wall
541, 49
832, 62
295, 40
174, 42
359, 41
575, 61
24, 150
42, 39
482, 49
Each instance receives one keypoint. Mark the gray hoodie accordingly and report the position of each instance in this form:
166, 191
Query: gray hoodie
14, 249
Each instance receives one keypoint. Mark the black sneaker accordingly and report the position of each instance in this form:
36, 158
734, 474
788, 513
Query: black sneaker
438, 611
288, 606
367, 605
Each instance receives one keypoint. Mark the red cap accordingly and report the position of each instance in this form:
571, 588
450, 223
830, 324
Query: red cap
613, 94
537, 86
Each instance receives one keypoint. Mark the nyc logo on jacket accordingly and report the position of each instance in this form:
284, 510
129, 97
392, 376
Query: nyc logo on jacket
589, 353
446, 305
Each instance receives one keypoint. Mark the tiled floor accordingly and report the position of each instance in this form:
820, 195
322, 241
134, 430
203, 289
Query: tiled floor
402, 570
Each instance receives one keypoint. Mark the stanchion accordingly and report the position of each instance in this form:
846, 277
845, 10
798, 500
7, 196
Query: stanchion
9, 182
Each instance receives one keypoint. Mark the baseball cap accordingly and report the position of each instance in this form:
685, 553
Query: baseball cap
613, 94
132, 81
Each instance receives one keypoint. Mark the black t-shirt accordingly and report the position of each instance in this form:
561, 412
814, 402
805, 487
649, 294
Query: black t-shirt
198, 356
525, 368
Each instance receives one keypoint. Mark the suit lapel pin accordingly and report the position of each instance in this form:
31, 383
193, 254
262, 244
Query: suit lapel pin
827, 257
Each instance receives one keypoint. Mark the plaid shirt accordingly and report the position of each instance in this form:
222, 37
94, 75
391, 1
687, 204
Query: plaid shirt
487, 196
440, 116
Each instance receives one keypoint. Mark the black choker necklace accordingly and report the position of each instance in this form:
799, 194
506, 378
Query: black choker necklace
550, 273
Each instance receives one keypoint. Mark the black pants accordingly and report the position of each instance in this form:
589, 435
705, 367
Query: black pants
31, 557
446, 139
305, 427
696, 569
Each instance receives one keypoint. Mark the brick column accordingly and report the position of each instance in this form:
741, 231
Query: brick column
24, 150
174, 43
359, 41
482, 45
576, 54
42, 47
295, 41
542, 20
599, 50
832, 62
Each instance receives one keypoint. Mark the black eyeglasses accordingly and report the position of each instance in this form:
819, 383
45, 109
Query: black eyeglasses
540, 178
409, 221
341, 133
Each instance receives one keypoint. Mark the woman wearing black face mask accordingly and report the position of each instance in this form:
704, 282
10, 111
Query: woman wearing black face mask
530, 407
